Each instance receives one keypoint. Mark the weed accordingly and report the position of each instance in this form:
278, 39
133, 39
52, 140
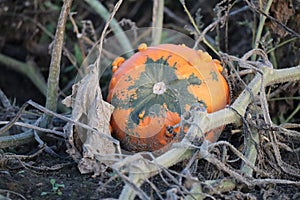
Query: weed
56, 188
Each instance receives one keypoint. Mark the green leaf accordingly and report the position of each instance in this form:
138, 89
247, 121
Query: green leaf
54, 188
44, 193
60, 185
52, 181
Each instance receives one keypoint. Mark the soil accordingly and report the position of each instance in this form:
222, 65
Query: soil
32, 184
35, 183
21, 39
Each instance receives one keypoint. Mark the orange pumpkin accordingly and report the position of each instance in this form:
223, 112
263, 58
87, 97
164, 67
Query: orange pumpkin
155, 86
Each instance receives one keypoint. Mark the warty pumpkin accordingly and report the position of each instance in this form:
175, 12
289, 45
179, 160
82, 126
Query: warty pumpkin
155, 86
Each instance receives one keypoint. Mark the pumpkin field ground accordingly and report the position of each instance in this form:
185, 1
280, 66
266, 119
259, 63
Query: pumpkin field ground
35, 184
37, 170
32, 183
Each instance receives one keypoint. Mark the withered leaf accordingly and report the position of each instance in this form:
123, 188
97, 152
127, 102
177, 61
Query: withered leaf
88, 107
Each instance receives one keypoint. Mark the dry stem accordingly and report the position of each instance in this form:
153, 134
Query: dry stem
54, 71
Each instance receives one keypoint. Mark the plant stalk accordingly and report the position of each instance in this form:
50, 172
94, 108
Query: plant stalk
54, 71
28, 70
261, 27
157, 21
114, 25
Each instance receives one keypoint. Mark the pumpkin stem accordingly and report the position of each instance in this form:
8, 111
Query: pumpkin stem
159, 88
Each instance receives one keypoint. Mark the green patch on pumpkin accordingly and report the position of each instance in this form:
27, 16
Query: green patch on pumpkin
175, 98
214, 75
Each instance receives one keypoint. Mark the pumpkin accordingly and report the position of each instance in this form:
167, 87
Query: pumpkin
154, 87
